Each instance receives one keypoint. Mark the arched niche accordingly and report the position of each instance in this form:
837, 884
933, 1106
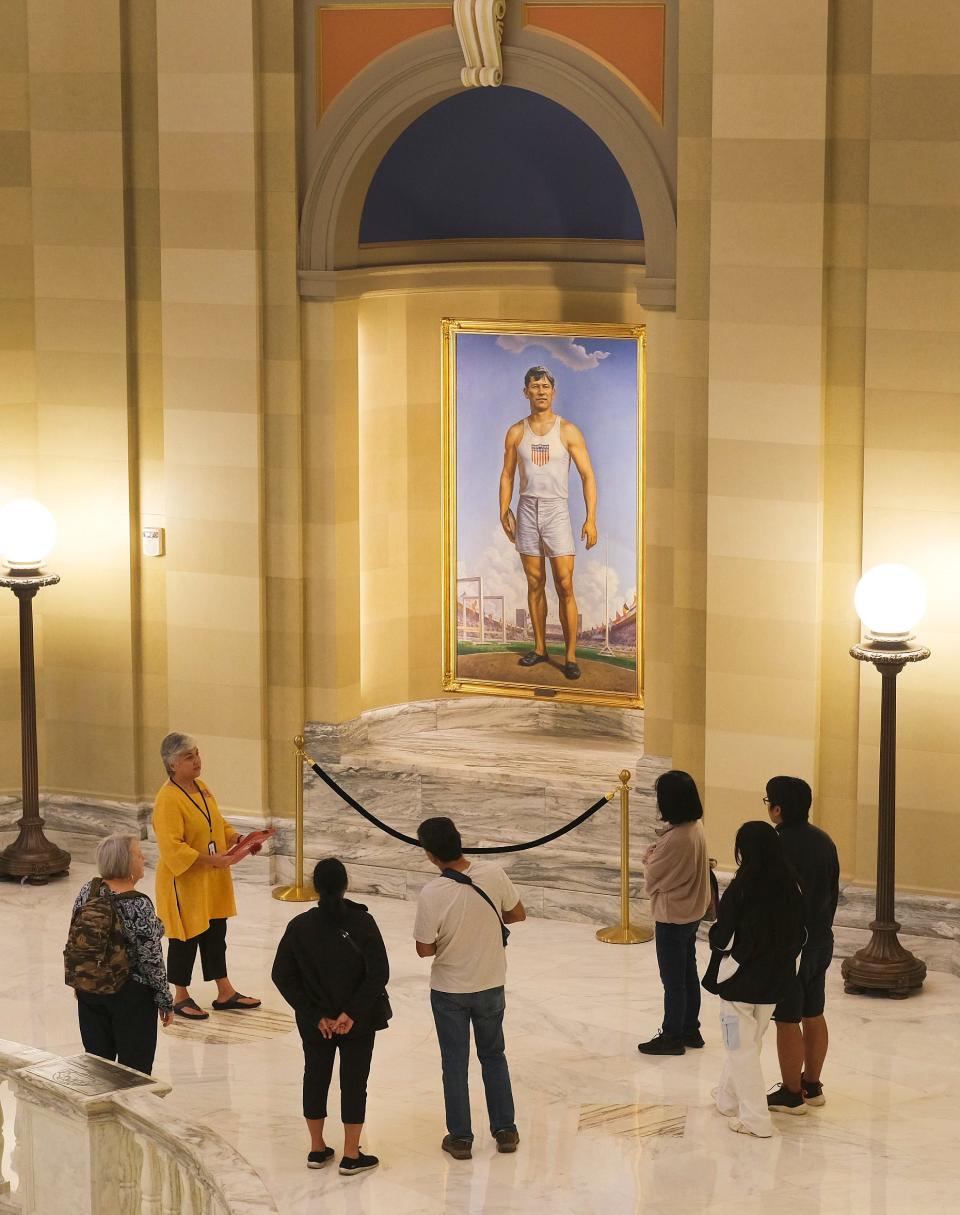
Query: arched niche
343, 152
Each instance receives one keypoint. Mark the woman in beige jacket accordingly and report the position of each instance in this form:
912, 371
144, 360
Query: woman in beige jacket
676, 870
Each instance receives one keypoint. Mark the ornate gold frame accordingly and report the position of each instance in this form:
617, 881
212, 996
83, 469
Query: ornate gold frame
451, 682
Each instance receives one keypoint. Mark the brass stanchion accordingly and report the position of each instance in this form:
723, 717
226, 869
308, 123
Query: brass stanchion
624, 933
298, 892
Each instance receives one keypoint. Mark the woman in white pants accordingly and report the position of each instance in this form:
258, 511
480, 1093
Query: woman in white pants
758, 935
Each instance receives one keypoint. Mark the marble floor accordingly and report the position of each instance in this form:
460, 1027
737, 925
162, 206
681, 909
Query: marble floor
603, 1130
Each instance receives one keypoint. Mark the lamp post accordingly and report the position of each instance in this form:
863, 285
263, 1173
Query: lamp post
27, 533
890, 600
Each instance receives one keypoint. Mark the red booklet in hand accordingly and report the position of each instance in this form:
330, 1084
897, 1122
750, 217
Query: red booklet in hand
246, 844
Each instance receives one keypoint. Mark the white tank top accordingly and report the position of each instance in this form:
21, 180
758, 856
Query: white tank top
544, 463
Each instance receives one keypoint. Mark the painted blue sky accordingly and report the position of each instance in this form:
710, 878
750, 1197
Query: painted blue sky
596, 389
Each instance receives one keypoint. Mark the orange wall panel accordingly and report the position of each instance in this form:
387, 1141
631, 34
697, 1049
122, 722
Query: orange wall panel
630, 38
348, 39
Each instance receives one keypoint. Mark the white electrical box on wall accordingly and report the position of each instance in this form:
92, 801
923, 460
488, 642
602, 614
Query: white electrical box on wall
152, 541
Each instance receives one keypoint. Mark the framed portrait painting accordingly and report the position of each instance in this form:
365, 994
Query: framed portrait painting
543, 510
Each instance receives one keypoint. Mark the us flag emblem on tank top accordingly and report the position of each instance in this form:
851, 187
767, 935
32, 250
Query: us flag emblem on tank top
540, 454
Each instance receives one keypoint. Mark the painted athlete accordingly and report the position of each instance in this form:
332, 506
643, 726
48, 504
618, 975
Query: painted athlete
543, 444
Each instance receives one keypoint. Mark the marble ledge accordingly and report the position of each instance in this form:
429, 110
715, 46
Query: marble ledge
81, 815
329, 742
406, 778
547, 761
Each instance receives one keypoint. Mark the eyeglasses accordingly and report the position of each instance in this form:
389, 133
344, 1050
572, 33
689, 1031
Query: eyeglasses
766, 801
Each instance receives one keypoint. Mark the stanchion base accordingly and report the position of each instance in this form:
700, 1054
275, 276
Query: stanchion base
294, 894
630, 934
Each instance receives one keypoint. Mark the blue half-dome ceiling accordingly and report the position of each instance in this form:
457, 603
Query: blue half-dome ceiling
498, 163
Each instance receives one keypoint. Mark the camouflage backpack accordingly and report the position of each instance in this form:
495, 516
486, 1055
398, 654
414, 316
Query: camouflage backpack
97, 957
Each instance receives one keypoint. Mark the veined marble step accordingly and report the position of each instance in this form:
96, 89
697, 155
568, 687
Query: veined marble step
550, 759
506, 772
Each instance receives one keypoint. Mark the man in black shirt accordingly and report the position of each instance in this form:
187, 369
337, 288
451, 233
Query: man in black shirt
801, 1027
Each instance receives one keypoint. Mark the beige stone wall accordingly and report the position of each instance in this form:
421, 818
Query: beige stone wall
18, 415
845, 268
212, 415
833, 397
151, 376
331, 511
764, 474
911, 498
83, 340
282, 396
675, 640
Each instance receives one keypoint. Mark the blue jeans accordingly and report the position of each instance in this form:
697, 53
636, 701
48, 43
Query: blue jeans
677, 959
454, 1012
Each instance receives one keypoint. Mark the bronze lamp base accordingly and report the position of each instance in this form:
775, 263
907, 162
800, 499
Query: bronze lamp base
883, 965
33, 856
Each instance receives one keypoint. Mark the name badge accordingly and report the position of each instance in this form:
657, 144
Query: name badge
212, 848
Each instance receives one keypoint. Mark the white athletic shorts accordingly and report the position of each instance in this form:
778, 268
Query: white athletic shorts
543, 528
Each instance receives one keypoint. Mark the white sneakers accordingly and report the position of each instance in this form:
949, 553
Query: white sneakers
736, 1125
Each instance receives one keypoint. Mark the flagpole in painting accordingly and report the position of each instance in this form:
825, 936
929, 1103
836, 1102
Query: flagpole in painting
480, 606
605, 649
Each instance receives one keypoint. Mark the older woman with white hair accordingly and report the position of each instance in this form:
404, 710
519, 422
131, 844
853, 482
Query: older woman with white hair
194, 885
122, 1026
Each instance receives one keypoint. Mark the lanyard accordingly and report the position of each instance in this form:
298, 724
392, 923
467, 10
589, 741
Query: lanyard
203, 809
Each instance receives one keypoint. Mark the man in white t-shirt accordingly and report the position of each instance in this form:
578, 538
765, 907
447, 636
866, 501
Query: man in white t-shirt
462, 931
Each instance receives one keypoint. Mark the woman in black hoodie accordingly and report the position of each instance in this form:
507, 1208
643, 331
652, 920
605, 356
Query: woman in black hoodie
331, 967
757, 936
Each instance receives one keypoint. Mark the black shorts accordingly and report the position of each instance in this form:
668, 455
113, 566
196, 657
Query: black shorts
806, 998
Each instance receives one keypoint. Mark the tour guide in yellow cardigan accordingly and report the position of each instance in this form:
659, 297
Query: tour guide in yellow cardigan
194, 883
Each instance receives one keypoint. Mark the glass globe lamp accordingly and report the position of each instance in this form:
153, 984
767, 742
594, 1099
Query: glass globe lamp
27, 534
890, 601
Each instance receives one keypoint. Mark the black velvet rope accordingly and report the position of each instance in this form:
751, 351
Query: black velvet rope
407, 839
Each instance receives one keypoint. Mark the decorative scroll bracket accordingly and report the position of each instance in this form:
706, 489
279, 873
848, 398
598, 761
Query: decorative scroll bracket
480, 28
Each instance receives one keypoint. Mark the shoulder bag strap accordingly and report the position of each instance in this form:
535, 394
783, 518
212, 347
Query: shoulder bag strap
456, 876
345, 936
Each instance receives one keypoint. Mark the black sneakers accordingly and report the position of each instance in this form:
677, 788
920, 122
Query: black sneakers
783, 1101
812, 1092
661, 1045
350, 1166
693, 1041
459, 1149
316, 1160
507, 1140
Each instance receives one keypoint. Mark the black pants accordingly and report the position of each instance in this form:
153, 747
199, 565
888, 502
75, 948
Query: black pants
212, 944
121, 1027
318, 1057
677, 959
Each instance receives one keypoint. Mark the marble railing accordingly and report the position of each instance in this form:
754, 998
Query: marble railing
91, 1137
